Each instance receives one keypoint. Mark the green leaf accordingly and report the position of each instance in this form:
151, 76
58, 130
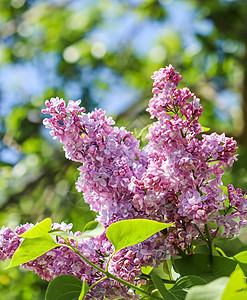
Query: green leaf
91, 229
169, 270
38, 230
147, 270
205, 266
179, 290
127, 233
64, 287
149, 287
167, 267
235, 286
242, 259
159, 271
63, 234
240, 295
224, 189
159, 285
205, 129
203, 249
30, 249
210, 291
84, 290
221, 251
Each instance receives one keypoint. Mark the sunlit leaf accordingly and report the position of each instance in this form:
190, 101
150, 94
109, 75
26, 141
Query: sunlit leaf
91, 229
84, 290
147, 270
221, 251
205, 129
241, 258
224, 189
38, 230
212, 290
30, 249
127, 233
235, 286
63, 234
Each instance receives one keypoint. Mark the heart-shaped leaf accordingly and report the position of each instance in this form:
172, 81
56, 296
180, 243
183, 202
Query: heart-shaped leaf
38, 230
62, 233
179, 290
32, 248
127, 233
236, 287
242, 259
91, 229
205, 266
64, 287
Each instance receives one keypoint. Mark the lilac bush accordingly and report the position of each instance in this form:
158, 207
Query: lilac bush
175, 178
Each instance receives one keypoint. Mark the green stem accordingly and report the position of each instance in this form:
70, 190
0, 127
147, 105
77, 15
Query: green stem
88, 261
201, 234
226, 211
107, 265
180, 251
215, 233
183, 135
132, 286
109, 275
209, 240
145, 276
101, 279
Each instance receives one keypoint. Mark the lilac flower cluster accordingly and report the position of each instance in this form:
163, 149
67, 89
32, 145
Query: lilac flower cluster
62, 260
107, 155
183, 175
176, 177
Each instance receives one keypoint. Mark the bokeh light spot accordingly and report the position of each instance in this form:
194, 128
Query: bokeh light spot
71, 54
157, 54
98, 50
17, 3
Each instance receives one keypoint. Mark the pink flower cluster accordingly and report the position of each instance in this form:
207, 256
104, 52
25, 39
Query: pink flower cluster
176, 177
183, 176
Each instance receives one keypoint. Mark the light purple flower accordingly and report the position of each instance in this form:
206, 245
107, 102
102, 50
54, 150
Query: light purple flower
176, 177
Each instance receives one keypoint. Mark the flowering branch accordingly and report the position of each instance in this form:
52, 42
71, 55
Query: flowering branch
109, 275
176, 177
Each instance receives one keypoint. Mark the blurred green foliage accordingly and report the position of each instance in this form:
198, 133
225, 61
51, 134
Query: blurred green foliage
65, 37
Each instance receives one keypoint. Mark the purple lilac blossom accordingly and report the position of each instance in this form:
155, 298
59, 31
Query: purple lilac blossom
62, 260
176, 177
183, 175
